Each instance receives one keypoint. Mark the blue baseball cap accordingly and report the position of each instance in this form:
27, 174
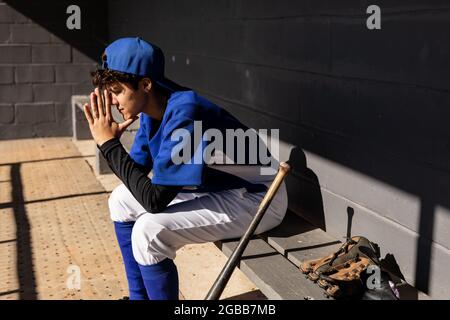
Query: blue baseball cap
139, 57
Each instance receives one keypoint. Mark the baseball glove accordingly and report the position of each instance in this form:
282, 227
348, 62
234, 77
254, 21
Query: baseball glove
340, 272
345, 280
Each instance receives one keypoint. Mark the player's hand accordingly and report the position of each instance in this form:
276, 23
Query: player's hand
101, 122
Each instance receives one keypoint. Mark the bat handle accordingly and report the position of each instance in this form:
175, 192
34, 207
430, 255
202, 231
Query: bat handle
283, 170
222, 280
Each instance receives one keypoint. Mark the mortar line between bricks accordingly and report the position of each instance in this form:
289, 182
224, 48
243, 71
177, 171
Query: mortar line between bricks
328, 134
326, 75
386, 218
248, 107
363, 15
311, 16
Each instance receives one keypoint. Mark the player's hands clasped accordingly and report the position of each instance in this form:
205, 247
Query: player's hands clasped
101, 122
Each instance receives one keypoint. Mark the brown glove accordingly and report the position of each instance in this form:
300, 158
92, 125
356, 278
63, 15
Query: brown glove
343, 267
345, 279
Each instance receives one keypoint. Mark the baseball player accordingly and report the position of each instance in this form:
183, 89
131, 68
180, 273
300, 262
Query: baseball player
182, 203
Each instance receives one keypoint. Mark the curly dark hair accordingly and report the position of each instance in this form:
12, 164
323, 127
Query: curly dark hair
102, 77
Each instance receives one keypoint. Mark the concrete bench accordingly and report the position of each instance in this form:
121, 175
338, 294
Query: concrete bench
81, 131
271, 259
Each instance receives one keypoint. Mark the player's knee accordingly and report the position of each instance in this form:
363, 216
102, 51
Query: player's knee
116, 200
146, 239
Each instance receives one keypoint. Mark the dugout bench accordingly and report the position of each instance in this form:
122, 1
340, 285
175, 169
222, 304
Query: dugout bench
271, 259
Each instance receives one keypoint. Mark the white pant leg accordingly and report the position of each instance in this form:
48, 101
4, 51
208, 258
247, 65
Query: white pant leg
190, 219
123, 207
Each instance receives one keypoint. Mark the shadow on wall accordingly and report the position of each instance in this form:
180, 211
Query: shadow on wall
304, 189
90, 40
307, 195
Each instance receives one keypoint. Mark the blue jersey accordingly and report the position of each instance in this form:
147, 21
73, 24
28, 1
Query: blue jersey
154, 142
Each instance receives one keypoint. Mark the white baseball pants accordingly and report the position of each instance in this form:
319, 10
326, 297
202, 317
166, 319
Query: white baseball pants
192, 218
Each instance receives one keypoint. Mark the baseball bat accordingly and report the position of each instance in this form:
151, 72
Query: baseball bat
219, 285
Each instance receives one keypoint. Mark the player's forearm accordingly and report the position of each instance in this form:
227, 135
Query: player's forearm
154, 198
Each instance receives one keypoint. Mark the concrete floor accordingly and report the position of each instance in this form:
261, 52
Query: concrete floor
56, 239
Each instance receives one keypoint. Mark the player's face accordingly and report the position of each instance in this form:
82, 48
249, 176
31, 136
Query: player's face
129, 102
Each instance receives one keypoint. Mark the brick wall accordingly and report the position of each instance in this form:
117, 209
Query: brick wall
368, 109
42, 64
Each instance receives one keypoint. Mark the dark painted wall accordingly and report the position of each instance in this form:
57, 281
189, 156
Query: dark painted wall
369, 109
42, 64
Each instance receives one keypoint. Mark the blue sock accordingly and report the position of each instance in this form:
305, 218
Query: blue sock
135, 282
161, 280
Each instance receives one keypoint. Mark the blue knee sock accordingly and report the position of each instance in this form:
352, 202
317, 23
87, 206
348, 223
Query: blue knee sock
135, 282
161, 280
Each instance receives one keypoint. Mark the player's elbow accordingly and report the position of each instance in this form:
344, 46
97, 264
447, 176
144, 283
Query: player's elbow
156, 208
152, 210
160, 197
